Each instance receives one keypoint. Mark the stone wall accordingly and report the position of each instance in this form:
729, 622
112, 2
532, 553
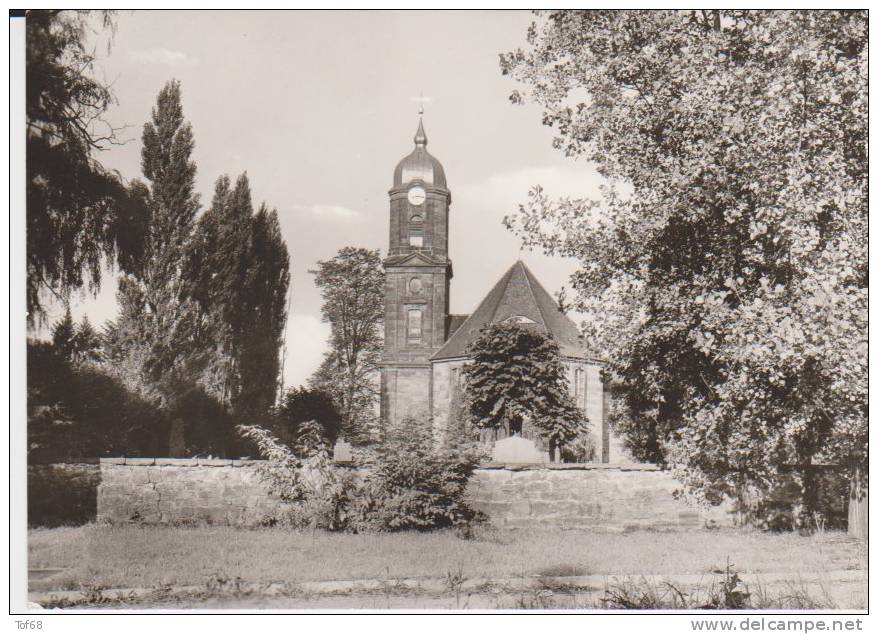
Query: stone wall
183, 491
597, 497
62, 494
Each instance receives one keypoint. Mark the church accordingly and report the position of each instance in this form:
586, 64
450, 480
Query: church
425, 346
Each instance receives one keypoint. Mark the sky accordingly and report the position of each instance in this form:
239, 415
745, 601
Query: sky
318, 107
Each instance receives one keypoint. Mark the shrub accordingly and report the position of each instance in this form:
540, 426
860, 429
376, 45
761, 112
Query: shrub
300, 405
581, 449
417, 483
414, 483
318, 494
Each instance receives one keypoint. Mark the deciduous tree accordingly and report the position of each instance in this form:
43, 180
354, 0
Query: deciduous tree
352, 286
726, 258
516, 375
79, 214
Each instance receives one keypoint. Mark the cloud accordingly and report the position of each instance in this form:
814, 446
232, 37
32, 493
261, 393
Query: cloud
164, 56
325, 212
306, 340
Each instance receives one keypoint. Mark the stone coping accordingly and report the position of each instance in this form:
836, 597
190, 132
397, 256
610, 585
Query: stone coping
570, 466
218, 462
179, 462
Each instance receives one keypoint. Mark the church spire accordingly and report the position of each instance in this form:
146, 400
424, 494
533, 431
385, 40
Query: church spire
420, 135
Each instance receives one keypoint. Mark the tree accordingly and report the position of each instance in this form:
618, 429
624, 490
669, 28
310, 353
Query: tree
64, 335
78, 213
303, 404
156, 317
155, 345
267, 284
76, 411
237, 270
727, 256
352, 287
516, 375
87, 341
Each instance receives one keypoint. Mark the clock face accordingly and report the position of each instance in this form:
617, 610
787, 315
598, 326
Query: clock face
417, 195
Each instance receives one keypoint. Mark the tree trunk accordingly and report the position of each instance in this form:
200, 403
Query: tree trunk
858, 508
177, 440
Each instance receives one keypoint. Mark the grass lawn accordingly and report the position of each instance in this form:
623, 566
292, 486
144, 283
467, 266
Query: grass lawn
139, 556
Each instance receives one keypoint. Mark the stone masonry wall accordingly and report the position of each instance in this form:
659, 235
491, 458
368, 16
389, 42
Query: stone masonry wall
183, 491
598, 497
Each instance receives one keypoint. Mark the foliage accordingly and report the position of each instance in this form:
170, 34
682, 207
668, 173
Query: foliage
417, 484
155, 326
76, 343
237, 269
78, 213
516, 374
727, 256
319, 494
412, 483
306, 404
76, 411
281, 470
352, 287
203, 311
580, 449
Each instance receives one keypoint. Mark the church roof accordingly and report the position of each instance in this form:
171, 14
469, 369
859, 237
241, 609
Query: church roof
420, 165
518, 296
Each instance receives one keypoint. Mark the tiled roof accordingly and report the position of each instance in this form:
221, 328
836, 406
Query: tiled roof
455, 322
518, 294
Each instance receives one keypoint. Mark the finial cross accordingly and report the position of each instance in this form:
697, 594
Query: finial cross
421, 103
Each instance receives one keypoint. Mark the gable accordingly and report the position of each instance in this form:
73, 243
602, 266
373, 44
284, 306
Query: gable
519, 297
413, 259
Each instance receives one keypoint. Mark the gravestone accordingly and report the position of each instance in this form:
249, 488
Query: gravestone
517, 450
342, 452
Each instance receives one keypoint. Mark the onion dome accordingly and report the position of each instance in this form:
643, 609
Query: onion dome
420, 165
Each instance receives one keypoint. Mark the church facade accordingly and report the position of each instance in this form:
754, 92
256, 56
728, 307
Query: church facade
425, 347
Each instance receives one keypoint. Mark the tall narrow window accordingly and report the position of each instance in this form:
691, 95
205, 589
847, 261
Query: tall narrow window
416, 237
414, 325
416, 231
583, 392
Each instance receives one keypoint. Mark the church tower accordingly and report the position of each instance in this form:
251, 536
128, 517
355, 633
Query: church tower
418, 273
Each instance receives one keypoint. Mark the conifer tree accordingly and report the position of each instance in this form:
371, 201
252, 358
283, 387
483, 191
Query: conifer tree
64, 335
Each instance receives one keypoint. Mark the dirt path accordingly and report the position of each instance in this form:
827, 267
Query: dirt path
844, 589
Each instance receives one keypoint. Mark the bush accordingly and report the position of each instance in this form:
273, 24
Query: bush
419, 484
303, 404
580, 449
413, 482
78, 411
317, 493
